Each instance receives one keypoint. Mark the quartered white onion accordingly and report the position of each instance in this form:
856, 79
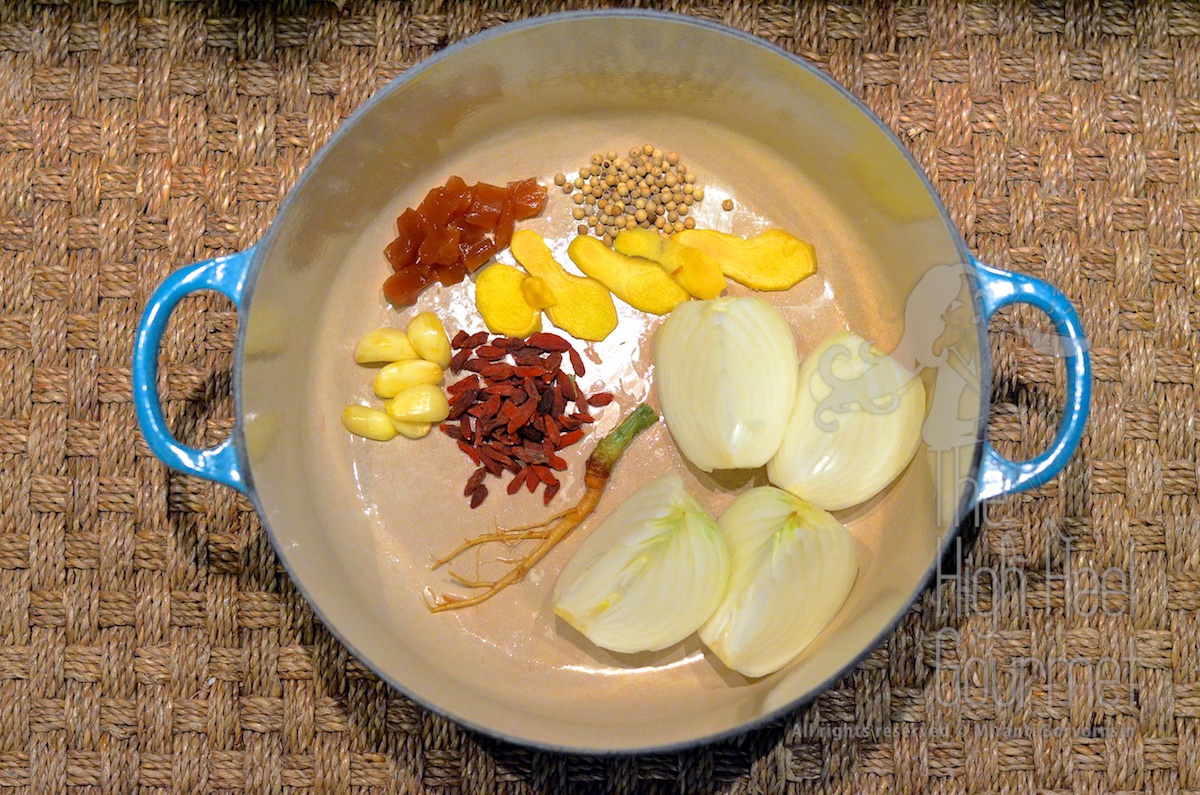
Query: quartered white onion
725, 372
649, 575
792, 567
855, 425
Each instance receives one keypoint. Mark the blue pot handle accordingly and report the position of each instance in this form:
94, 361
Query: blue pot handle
226, 275
997, 289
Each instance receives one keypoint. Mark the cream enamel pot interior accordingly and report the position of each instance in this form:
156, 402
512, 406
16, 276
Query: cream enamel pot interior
356, 523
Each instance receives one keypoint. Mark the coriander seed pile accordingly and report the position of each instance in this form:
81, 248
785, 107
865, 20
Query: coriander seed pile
647, 189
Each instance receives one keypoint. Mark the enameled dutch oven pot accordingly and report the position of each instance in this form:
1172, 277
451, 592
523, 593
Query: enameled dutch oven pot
357, 523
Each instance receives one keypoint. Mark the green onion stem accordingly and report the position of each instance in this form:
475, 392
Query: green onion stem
611, 447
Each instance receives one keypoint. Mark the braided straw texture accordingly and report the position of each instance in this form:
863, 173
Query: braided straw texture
150, 642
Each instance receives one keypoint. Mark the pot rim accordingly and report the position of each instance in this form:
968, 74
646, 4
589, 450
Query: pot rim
966, 513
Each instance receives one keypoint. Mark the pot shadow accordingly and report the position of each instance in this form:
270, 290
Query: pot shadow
440, 753
209, 398
204, 518
729, 481
715, 767
841, 724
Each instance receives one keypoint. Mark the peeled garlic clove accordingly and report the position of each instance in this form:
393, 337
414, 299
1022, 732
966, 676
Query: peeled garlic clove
368, 422
394, 378
855, 426
413, 430
420, 403
428, 338
725, 371
384, 346
792, 565
649, 575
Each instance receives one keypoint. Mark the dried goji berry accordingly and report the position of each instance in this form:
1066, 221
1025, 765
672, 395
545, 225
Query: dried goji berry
475, 340
470, 451
478, 495
568, 439
474, 481
548, 342
458, 387
509, 344
459, 359
490, 352
576, 361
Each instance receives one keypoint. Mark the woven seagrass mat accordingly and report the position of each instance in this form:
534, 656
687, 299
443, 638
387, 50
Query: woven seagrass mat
149, 641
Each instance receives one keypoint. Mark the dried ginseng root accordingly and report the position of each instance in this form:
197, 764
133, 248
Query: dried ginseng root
599, 469
517, 410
